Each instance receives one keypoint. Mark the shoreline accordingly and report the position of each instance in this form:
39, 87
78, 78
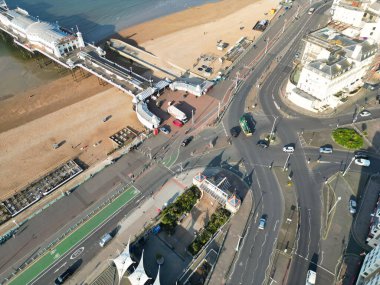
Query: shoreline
174, 22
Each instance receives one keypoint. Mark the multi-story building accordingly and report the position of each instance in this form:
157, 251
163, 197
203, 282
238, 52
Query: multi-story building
373, 238
362, 17
332, 65
370, 270
43, 35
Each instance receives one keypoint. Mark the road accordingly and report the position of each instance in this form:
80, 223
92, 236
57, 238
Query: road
253, 262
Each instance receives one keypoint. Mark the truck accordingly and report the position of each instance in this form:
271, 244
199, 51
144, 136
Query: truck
177, 113
311, 277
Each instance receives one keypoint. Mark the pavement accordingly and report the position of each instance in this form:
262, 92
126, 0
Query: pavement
231, 245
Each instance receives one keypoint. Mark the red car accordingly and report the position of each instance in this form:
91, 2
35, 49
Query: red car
178, 123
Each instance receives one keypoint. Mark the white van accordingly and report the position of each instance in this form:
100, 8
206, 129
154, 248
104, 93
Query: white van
105, 239
311, 11
311, 277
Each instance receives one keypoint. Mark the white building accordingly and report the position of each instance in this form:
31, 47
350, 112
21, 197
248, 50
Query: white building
370, 270
146, 117
363, 17
332, 64
373, 238
197, 89
43, 35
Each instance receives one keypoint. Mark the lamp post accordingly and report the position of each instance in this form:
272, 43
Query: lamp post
336, 203
266, 46
271, 132
348, 167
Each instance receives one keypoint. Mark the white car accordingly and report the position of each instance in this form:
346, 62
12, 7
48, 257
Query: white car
365, 113
288, 148
362, 162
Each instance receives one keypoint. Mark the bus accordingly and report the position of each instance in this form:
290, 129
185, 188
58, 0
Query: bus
245, 125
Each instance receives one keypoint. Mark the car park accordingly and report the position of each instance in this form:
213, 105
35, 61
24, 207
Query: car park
263, 143
177, 123
262, 223
362, 162
352, 206
165, 130
365, 113
288, 148
325, 149
186, 141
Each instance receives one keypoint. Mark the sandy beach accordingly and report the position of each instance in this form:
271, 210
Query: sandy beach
184, 37
65, 110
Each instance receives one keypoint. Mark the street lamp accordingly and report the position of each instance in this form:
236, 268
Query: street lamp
266, 46
271, 132
238, 243
336, 203
283, 27
286, 162
348, 167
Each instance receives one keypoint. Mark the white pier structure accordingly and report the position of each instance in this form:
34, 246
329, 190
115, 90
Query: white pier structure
67, 48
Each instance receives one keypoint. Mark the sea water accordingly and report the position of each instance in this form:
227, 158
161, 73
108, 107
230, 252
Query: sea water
96, 19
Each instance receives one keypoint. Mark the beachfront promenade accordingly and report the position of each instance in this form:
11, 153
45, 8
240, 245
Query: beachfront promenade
63, 248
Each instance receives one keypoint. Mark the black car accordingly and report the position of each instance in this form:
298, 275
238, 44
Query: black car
63, 277
263, 143
361, 154
235, 131
186, 141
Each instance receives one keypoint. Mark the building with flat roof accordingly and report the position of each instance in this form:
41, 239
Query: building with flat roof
46, 36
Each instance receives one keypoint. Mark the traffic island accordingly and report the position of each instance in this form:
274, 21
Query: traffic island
287, 234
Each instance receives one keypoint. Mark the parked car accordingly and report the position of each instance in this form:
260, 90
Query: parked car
352, 206
177, 123
297, 55
325, 149
263, 143
361, 154
288, 148
165, 130
362, 162
365, 113
186, 141
262, 223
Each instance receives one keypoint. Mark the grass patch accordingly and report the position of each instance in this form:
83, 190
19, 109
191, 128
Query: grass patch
347, 138
182, 205
218, 219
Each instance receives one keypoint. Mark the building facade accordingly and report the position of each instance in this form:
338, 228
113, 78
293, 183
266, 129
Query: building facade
370, 270
39, 34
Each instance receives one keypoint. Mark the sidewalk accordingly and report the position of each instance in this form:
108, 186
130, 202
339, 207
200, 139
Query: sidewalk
133, 225
228, 252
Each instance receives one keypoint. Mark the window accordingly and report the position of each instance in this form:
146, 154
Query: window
371, 33
374, 28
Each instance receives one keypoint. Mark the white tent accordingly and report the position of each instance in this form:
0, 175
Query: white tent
123, 261
157, 281
139, 277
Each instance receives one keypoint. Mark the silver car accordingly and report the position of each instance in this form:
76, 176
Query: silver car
352, 206
325, 149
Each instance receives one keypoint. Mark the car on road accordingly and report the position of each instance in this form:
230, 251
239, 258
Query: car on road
352, 206
325, 149
262, 223
311, 277
186, 141
177, 123
263, 143
105, 239
361, 154
365, 113
311, 11
371, 87
165, 130
288, 148
297, 55
362, 162
235, 131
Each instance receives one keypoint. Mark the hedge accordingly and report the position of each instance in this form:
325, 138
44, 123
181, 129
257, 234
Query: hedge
348, 138
183, 204
218, 219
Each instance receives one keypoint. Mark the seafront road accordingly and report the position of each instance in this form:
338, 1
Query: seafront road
37, 268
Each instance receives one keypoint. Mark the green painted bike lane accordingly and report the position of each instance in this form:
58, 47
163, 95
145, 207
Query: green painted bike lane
47, 260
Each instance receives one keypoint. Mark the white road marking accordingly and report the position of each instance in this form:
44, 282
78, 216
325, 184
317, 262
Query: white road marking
224, 128
77, 253
275, 225
309, 220
60, 267
322, 257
